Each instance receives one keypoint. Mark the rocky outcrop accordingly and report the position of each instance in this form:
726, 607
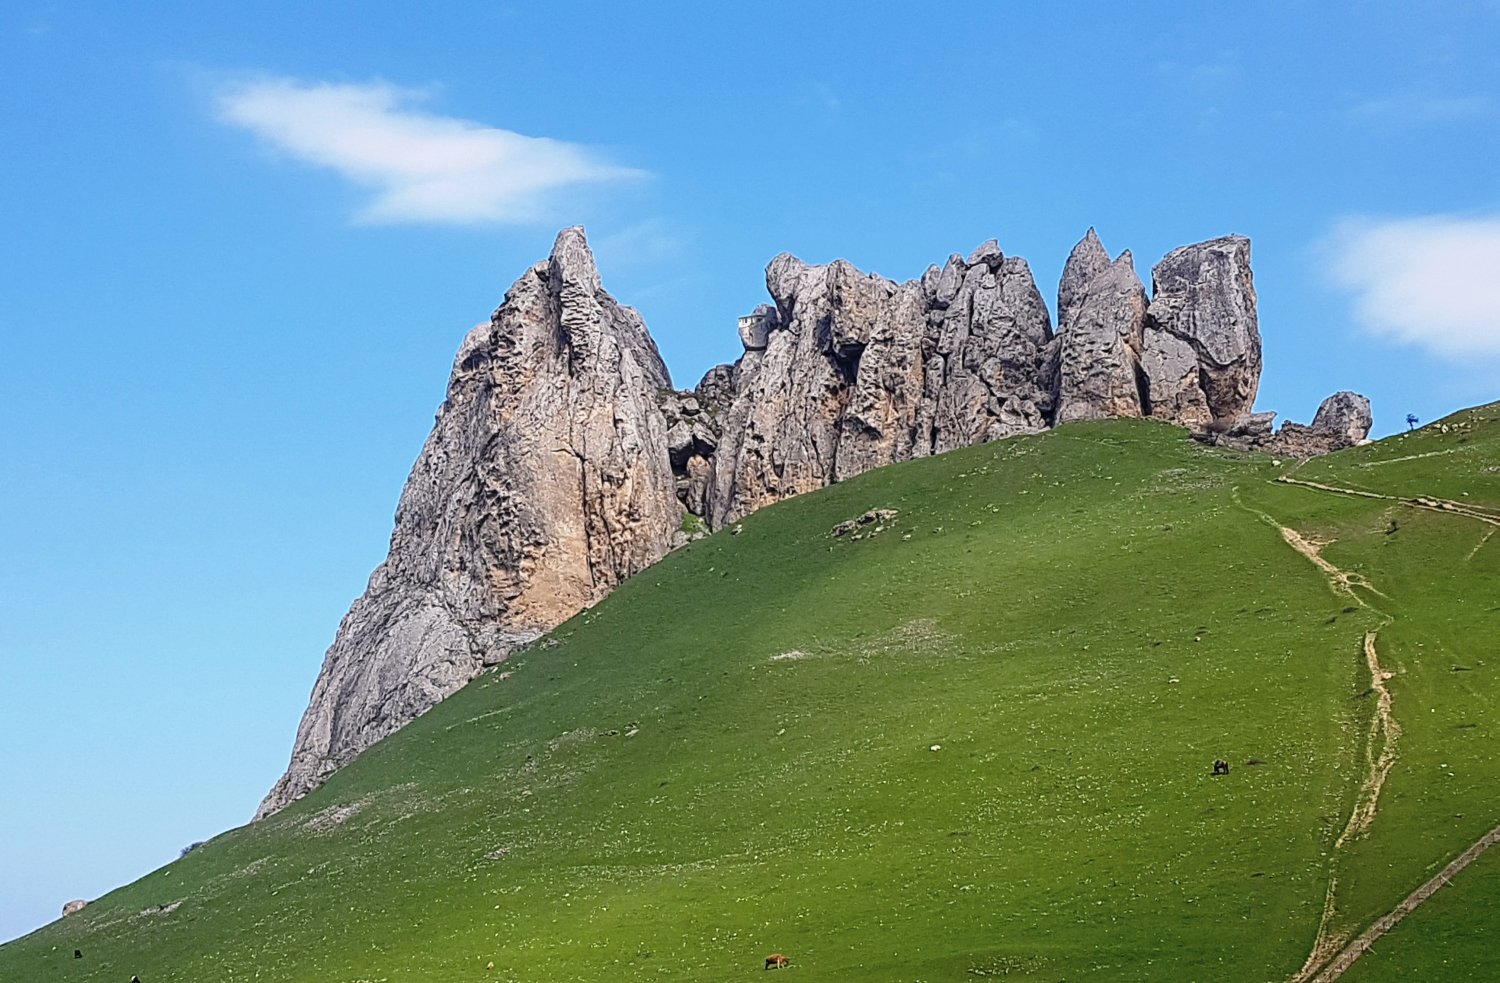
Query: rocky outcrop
851, 371
1343, 420
546, 480
1346, 416
1202, 355
563, 461
73, 907
1101, 318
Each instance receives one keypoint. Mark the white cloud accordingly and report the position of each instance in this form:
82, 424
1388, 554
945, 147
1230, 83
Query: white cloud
419, 167
1433, 282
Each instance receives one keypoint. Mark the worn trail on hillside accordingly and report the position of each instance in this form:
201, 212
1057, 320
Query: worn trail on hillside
1347, 956
1332, 953
1380, 740
1380, 749
1429, 502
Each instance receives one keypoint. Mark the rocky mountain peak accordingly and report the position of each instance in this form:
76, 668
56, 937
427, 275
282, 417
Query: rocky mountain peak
562, 461
1087, 260
1101, 322
572, 262
1202, 353
546, 480
988, 253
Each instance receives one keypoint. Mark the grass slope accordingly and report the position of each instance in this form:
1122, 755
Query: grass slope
974, 744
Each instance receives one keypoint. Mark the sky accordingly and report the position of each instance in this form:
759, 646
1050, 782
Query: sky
239, 247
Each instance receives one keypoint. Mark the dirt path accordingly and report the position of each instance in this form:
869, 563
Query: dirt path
1380, 739
1388, 921
1445, 505
1380, 753
1380, 747
1332, 953
1341, 582
1409, 457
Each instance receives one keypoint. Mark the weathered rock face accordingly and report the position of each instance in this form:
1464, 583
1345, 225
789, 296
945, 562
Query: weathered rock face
1202, 354
851, 371
546, 481
781, 429
692, 438
563, 461
992, 329
1345, 415
1101, 320
1343, 420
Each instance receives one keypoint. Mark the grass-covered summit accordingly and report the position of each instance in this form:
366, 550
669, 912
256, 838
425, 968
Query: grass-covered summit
974, 740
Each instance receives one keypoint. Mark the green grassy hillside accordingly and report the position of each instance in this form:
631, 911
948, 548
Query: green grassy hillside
974, 743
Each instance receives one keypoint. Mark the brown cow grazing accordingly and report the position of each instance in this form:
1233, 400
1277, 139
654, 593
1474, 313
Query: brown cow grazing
777, 961
1221, 767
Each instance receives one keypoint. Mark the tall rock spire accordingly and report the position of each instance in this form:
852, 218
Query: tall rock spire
1101, 314
544, 483
1202, 354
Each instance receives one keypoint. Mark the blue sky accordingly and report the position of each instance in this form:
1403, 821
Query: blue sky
238, 251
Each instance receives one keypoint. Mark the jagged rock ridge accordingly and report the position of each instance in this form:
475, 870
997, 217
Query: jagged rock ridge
1343, 420
850, 371
563, 462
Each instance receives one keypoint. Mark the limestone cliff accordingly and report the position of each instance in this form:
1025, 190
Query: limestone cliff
563, 462
544, 483
850, 371
1101, 318
1202, 354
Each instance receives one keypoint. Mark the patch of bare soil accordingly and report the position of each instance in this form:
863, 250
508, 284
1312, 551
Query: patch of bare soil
332, 818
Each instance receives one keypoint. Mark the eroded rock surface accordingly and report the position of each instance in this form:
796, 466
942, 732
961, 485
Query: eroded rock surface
692, 438
563, 461
852, 371
1345, 415
546, 480
1202, 352
1343, 420
1101, 321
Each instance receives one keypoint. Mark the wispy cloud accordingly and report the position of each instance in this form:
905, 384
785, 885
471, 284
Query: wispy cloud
1417, 110
1432, 281
418, 166
1220, 66
649, 243
818, 96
